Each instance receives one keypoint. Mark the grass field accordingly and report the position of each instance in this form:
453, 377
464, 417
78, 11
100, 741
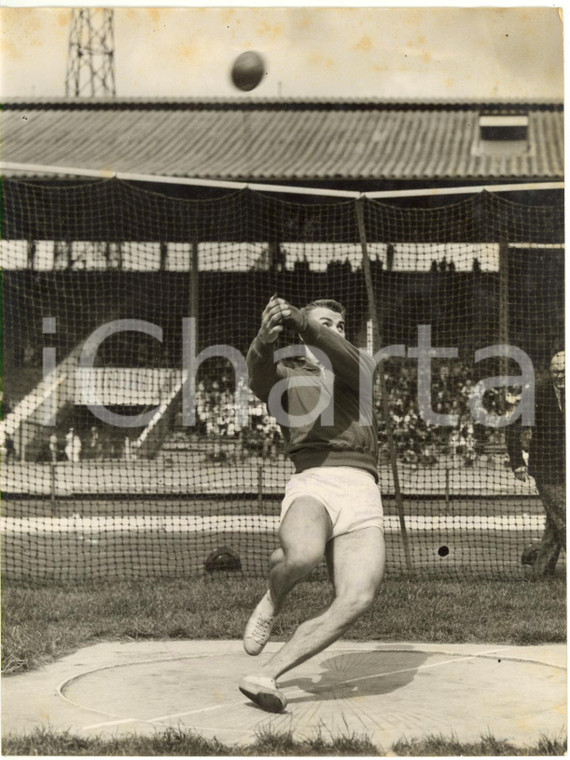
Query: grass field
181, 743
43, 623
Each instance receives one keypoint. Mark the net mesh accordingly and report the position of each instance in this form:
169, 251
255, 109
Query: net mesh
107, 474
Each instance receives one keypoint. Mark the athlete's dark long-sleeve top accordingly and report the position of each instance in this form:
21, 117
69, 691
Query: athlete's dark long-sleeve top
347, 442
547, 452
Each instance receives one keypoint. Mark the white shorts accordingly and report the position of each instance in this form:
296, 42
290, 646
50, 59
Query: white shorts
350, 496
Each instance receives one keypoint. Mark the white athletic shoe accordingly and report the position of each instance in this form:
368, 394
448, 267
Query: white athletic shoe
259, 625
264, 692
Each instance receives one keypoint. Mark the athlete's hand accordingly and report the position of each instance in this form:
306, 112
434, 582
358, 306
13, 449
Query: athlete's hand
274, 314
296, 319
521, 473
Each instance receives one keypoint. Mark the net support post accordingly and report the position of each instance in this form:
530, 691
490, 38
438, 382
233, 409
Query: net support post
504, 302
504, 308
193, 295
384, 395
260, 487
52, 473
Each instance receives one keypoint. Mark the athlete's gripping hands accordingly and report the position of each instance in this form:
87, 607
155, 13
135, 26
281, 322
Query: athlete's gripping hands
332, 505
271, 321
276, 313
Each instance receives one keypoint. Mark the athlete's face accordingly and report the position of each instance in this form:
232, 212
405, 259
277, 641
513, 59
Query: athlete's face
329, 318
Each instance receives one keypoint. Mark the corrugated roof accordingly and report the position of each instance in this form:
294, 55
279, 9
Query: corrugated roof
280, 140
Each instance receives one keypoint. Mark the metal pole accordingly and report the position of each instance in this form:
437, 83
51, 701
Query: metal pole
260, 487
53, 459
193, 314
503, 316
383, 392
13, 166
193, 305
504, 302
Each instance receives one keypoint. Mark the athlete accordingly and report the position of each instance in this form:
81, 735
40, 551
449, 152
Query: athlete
332, 506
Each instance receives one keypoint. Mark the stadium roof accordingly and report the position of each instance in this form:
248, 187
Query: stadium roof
287, 140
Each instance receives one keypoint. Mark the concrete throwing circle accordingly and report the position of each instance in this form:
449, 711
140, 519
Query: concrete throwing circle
381, 692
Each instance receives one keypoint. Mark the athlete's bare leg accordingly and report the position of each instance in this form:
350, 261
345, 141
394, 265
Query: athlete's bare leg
303, 535
357, 561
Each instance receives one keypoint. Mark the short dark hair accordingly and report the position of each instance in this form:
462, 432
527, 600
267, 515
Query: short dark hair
326, 303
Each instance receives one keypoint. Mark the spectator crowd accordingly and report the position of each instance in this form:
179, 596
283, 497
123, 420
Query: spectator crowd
416, 441
420, 443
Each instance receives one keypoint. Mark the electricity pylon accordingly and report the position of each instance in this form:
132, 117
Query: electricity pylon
91, 57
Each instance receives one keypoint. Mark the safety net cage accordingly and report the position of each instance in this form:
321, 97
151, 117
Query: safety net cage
131, 444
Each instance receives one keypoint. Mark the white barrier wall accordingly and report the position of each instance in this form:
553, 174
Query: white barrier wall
124, 386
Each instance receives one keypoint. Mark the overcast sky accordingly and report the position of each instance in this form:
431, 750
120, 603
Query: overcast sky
443, 52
